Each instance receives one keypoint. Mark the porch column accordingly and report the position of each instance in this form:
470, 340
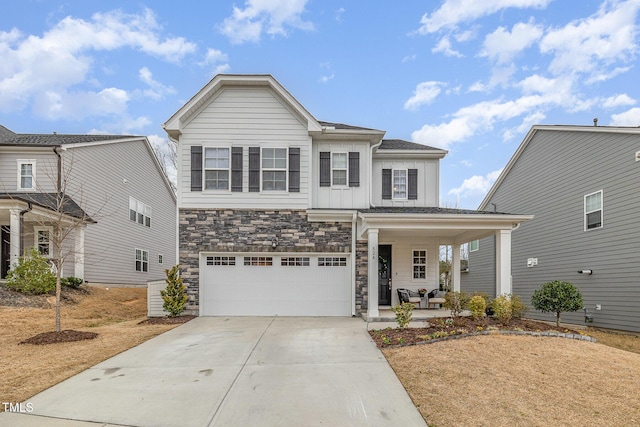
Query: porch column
503, 262
14, 236
79, 252
372, 280
455, 267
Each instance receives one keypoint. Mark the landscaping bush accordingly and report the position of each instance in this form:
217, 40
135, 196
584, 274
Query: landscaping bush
518, 309
556, 297
32, 274
403, 313
456, 302
477, 306
174, 295
71, 282
502, 309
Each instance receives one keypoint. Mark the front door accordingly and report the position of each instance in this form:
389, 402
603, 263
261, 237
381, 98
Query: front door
384, 275
5, 248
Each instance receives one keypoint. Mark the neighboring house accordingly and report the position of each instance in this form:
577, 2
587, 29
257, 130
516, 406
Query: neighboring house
282, 214
581, 184
118, 205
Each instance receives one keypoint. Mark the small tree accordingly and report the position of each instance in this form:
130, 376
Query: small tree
556, 297
456, 302
32, 274
174, 295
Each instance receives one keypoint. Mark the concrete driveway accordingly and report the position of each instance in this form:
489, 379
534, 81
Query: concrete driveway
240, 371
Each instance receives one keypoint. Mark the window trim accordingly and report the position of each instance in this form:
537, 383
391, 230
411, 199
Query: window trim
406, 179
36, 242
142, 211
471, 245
160, 259
142, 260
414, 265
31, 162
601, 209
205, 169
285, 169
345, 169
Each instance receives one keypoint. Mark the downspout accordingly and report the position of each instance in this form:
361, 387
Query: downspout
178, 200
354, 223
373, 147
21, 219
59, 187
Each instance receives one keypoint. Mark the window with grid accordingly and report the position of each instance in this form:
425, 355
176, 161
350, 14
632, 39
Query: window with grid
43, 240
274, 169
332, 262
221, 260
142, 260
399, 183
474, 245
139, 212
298, 261
26, 174
420, 264
216, 168
339, 169
258, 260
593, 210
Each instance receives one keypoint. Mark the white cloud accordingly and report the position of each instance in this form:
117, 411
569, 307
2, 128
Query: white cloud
156, 89
45, 71
476, 185
217, 59
502, 45
444, 46
532, 119
339, 14
453, 12
270, 16
326, 79
466, 163
628, 118
409, 58
618, 101
424, 93
592, 44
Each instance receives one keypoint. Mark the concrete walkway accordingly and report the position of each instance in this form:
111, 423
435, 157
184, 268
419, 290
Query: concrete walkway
240, 371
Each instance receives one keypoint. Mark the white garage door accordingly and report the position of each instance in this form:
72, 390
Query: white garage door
276, 285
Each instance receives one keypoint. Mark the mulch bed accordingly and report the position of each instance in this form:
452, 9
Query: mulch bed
11, 298
166, 320
445, 326
68, 335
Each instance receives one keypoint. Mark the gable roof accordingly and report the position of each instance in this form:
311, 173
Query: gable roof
544, 128
49, 201
6, 134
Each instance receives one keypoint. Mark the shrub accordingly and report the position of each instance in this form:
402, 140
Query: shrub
456, 302
518, 309
502, 309
174, 295
32, 274
71, 282
403, 313
556, 297
477, 305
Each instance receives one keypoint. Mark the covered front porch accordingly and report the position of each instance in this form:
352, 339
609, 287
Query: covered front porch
403, 245
29, 220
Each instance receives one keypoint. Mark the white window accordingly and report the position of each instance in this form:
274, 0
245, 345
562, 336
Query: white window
216, 168
142, 260
593, 210
339, 169
139, 212
258, 260
474, 245
43, 240
419, 264
332, 262
221, 260
400, 184
26, 174
274, 169
298, 261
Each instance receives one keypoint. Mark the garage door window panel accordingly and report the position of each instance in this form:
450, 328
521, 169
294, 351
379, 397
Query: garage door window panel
258, 261
294, 261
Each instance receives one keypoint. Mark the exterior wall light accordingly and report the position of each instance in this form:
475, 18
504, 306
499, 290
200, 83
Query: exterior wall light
274, 243
589, 272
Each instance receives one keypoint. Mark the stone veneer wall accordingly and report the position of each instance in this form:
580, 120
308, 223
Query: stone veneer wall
362, 285
226, 230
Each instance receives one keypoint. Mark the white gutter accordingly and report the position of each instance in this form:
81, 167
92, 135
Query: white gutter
373, 147
178, 201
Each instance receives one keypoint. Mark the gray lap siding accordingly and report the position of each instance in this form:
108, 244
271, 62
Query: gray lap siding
233, 230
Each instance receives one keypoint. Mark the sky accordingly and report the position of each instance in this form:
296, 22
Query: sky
467, 76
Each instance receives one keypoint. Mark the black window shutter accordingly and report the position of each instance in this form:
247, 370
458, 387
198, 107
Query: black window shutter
413, 184
236, 169
386, 184
354, 169
325, 169
196, 168
294, 170
254, 169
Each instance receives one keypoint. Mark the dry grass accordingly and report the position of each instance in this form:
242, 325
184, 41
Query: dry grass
28, 369
623, 341
520, 381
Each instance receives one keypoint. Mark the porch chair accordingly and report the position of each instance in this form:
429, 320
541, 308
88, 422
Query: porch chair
406, 295
435, 297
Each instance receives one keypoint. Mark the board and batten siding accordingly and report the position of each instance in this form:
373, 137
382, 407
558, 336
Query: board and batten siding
341, 197
427, 181
45, 173
244, 117
550, 179
104, 177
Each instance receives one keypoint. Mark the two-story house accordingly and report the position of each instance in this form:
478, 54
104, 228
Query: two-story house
581, 183
116, 205
282, 214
